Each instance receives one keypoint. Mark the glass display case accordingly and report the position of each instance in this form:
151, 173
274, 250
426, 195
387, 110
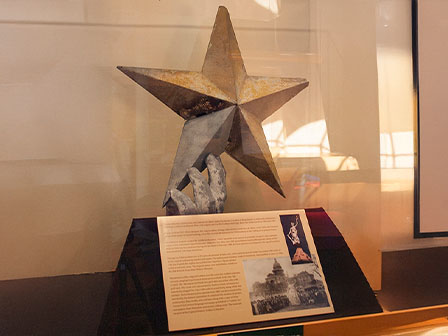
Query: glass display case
85, 150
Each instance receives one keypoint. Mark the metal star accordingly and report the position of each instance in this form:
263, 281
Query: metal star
222, 105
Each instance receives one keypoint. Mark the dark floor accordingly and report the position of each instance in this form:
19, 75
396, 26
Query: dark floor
72, 305
414, 278
65, 305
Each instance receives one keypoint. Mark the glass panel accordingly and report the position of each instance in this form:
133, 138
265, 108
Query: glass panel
85, 149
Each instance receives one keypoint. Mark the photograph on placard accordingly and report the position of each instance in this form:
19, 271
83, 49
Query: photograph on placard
276, 286
295, 239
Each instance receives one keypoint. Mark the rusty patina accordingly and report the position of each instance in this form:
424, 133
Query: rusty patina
223, 107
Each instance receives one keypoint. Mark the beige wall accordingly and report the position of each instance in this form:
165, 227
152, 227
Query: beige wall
396, 97
84, 149
433, 51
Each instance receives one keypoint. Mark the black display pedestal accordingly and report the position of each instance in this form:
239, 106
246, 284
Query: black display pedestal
136, 301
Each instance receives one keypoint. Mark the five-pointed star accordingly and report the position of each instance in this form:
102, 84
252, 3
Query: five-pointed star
222, 105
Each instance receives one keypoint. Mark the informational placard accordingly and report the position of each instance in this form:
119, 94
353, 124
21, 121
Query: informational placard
235, 268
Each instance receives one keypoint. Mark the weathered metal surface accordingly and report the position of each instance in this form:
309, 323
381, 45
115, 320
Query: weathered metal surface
248, 145
200, 136
223, 63
189, 94
262, 96
209, 196
209, 95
